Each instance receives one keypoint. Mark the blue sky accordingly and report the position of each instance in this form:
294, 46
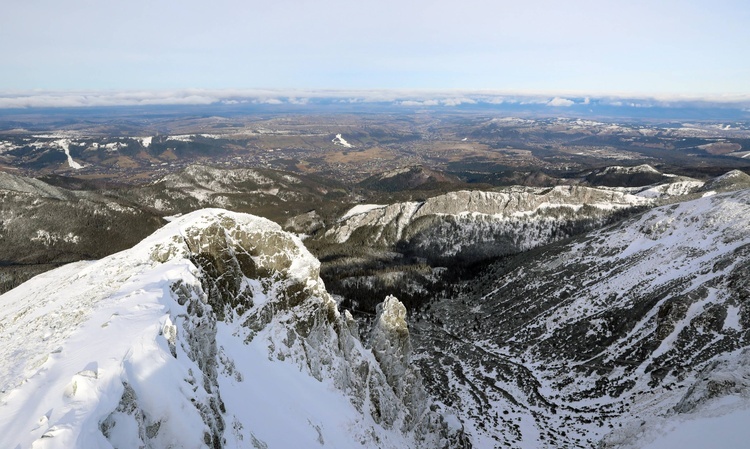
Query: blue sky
635, 47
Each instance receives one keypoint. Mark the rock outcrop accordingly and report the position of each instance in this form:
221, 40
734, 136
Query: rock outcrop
477, 224
215, 331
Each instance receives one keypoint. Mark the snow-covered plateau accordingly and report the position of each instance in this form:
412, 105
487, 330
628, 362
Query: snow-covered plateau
215, 331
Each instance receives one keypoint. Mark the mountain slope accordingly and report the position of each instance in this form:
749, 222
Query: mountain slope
618, 176
270, 193
732, 180
215, 331
410, 178
42, 226
605, 339
478, 225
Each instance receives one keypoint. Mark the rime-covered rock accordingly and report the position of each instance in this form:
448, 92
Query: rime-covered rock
215, 331
477, 224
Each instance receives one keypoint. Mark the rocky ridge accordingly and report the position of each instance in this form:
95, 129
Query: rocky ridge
477, 224
207, 334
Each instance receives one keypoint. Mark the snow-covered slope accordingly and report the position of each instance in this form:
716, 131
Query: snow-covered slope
678, 186
339, 140
611, 339
732, 180
215, 331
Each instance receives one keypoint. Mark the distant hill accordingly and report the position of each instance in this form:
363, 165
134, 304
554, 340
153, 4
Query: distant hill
410, 178
619, 176
733, 180
42, 226
273, 194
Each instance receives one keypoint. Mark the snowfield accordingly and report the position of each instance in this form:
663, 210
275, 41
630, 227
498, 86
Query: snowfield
360, 209
338, 140
64, 144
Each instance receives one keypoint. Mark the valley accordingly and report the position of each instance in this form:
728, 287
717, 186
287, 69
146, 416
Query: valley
140, 145
447, 279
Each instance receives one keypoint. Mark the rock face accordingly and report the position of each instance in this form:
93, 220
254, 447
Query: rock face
604, 339
391, 346
475, 224
216, 331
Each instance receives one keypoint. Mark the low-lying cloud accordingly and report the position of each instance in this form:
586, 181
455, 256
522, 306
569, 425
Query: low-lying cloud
301, 98
560, 102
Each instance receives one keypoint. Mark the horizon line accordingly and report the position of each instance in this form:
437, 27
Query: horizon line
81, 98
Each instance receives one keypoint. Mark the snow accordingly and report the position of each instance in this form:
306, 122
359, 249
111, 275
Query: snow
107, 338
644, 168
104, 318
146, 141
182, 138
64, 144
731, 174
51, 238
693, 311
728, 431
6, 146
479, 211
360, 209
676, 188
671, 250
338, 140
732, 320
274, 404
399, 214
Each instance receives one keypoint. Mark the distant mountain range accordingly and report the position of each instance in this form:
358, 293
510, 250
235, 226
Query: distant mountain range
543, 104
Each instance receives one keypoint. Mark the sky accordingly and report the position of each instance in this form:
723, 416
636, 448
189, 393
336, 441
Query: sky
651, 47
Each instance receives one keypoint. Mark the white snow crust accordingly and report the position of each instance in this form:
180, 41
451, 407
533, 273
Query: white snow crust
360, 209
730, 429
